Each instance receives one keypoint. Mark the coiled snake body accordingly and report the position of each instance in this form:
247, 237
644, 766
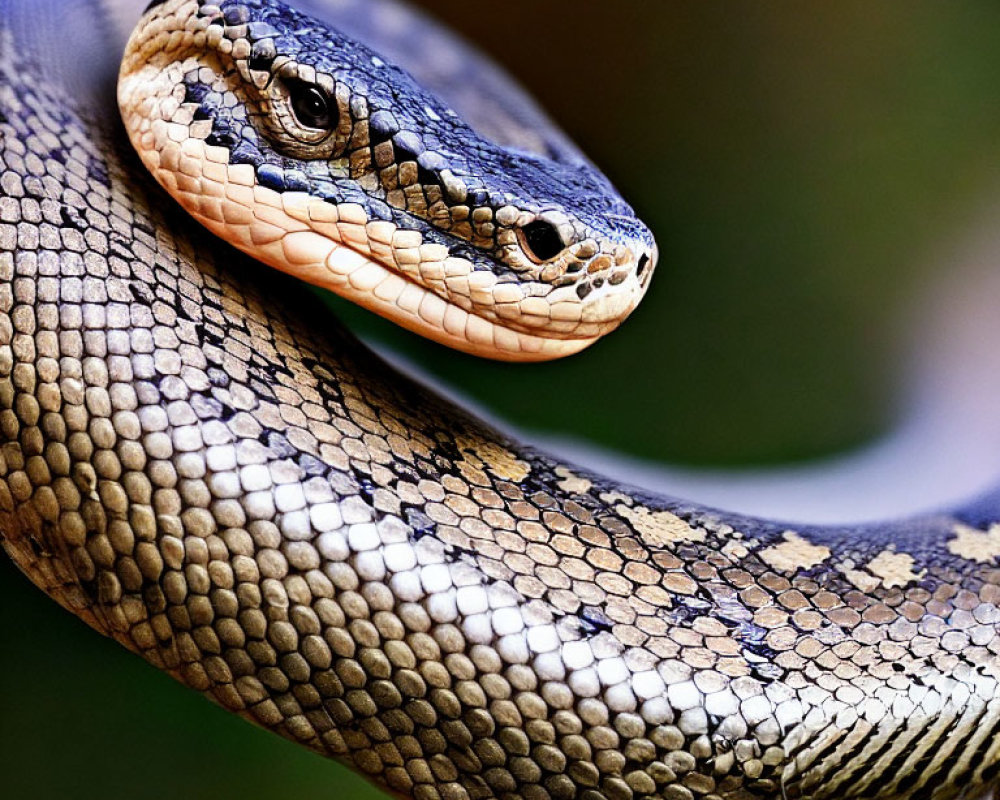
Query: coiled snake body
283, 523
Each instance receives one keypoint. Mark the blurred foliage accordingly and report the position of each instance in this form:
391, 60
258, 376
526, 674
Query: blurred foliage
796, 163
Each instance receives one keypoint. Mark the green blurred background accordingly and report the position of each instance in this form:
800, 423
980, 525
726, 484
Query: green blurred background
797, 164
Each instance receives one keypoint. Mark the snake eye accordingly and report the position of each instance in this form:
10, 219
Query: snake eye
306, 119
541, 240
312, 106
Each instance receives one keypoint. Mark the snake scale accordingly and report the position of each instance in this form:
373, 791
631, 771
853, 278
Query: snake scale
283, 523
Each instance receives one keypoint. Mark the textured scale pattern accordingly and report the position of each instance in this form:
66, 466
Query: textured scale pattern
280, 521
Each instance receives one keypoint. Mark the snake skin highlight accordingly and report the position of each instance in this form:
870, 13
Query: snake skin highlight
257, 505
396, 204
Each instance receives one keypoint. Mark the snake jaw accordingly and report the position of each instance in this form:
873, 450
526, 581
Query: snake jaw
453, 261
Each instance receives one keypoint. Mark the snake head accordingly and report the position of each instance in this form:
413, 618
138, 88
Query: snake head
313, 153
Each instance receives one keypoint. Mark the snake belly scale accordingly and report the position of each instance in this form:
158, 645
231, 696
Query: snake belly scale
282, 522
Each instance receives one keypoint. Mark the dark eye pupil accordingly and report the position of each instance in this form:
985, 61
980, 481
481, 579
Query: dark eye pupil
543, 240
311, 106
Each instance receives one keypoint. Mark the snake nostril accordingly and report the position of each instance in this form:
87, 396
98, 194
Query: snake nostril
642, 266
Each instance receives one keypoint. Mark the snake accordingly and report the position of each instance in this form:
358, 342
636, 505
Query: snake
234, 488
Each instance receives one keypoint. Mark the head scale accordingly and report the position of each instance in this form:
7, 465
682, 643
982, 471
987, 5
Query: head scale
314, 154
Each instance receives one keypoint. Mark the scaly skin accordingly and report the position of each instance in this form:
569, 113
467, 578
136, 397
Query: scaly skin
281, 522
